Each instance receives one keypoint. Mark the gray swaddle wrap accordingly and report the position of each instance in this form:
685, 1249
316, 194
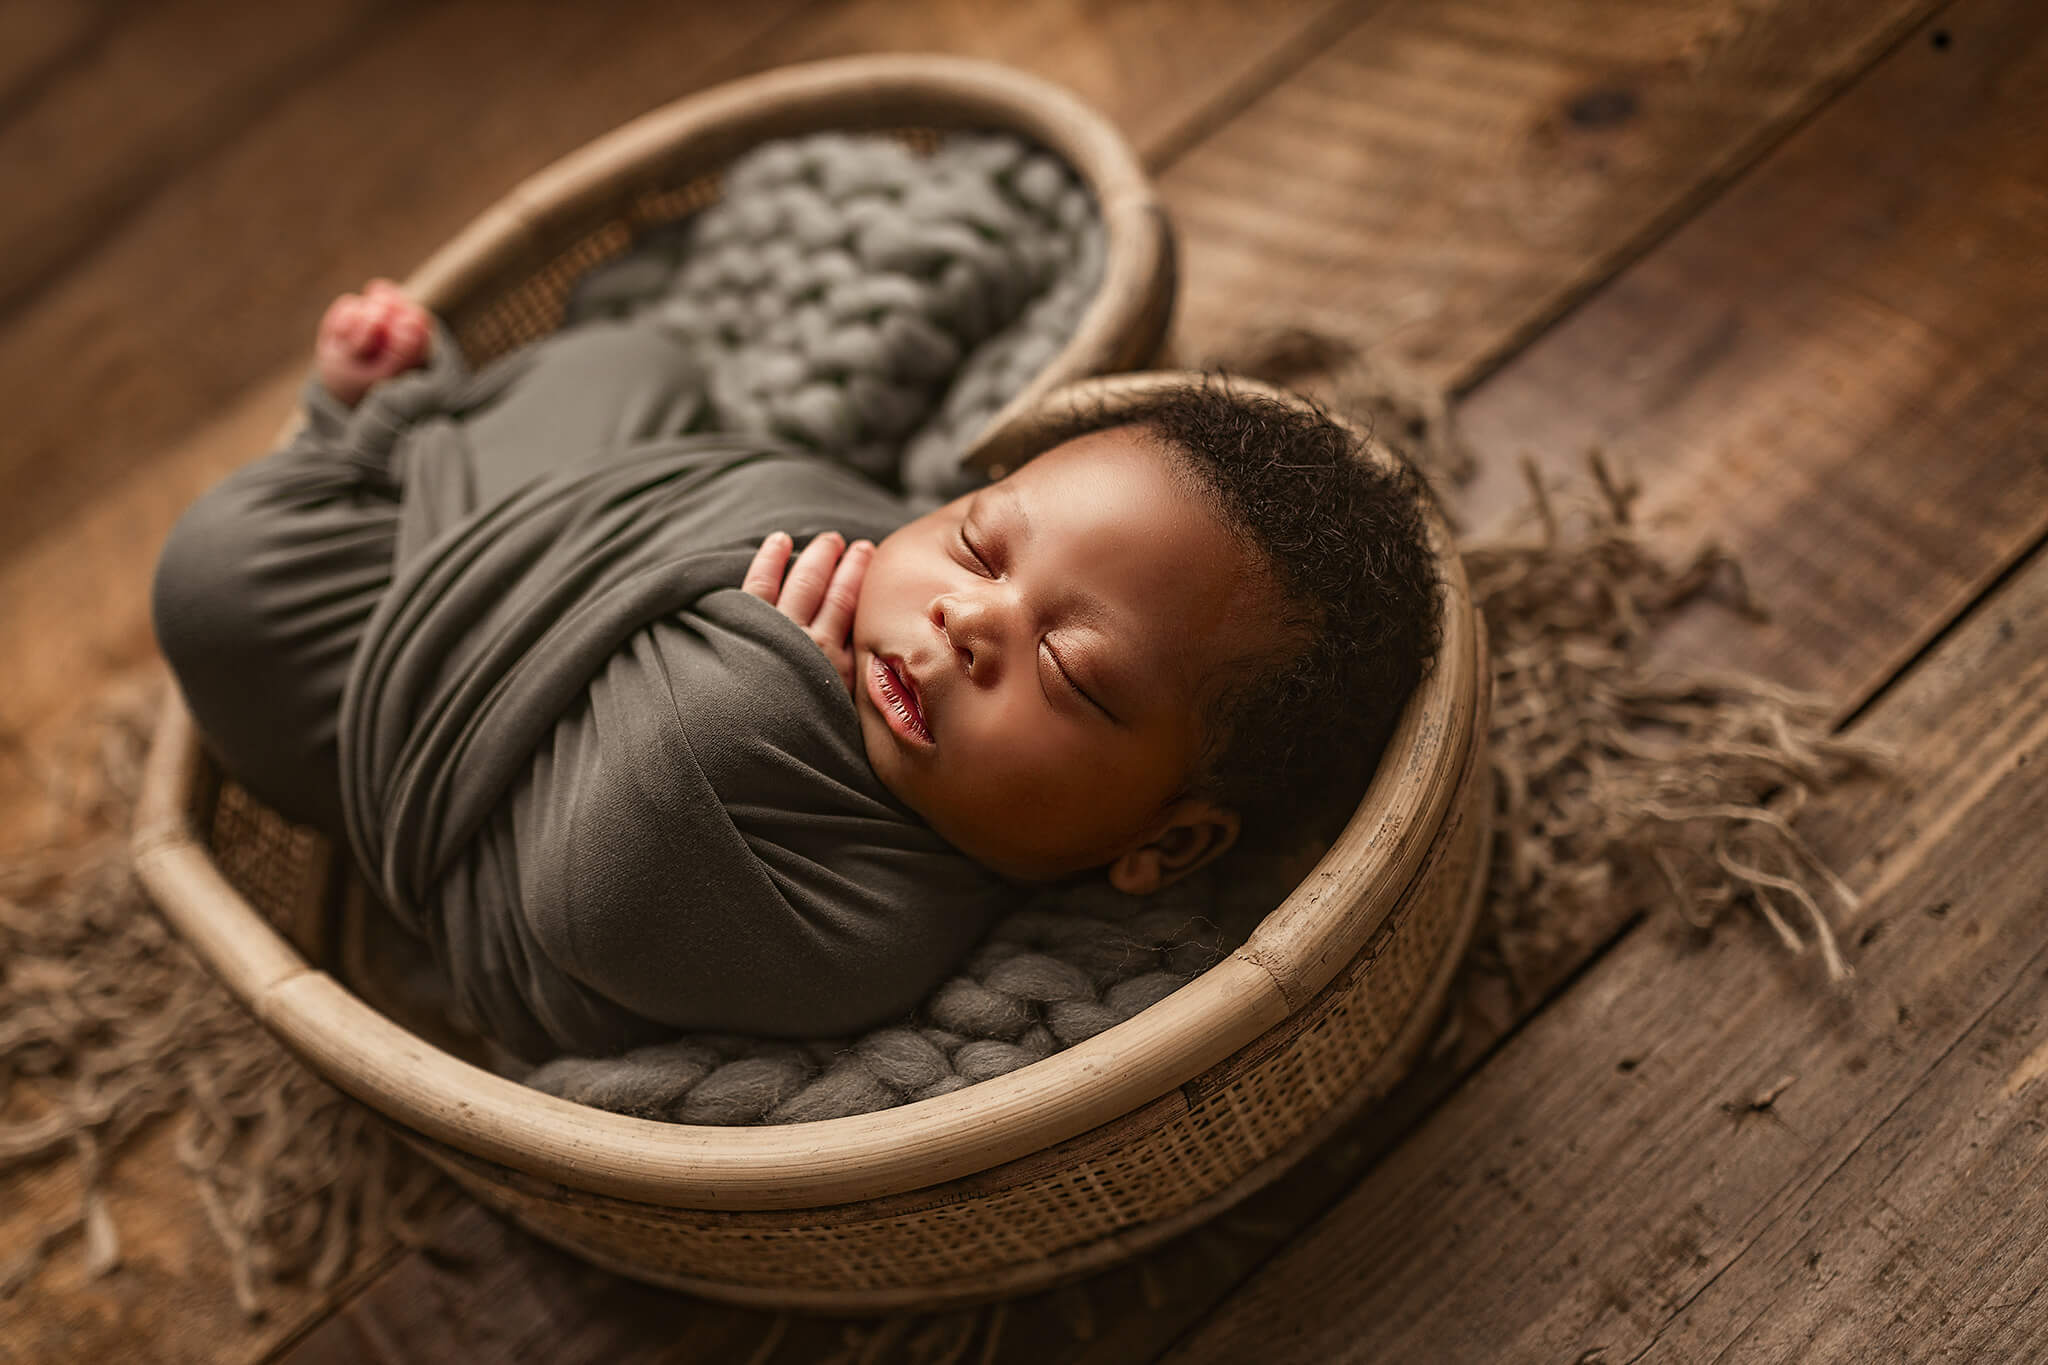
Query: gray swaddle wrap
489, 623
618, 796
563, 705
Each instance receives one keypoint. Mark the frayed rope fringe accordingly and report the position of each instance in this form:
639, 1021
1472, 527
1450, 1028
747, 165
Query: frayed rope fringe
107, 1024
1618, 778
1615, 778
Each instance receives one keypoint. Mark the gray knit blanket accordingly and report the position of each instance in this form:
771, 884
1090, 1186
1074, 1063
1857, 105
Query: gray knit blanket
1069, 964
853, 297
863, 300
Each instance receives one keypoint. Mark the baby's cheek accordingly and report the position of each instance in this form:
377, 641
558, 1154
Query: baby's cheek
879, 586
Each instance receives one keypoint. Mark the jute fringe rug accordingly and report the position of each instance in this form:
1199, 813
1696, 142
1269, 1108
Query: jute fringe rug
1615, 780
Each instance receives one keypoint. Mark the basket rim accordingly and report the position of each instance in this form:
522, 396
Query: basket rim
1296, 950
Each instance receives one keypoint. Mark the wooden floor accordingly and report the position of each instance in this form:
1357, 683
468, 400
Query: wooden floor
1788, 258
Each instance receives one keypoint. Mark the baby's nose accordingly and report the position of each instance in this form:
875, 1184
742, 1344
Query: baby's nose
973, 623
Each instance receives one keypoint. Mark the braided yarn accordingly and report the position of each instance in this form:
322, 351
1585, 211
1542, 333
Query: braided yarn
853, 296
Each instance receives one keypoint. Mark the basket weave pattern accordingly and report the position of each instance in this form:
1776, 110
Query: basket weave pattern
531, 305
282, 869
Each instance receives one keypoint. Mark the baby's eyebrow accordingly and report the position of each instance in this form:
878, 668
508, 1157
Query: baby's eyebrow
1005, 495
1085, 605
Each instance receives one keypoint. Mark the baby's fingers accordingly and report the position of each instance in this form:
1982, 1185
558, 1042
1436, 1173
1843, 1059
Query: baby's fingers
834, 621
764, 575
804, 590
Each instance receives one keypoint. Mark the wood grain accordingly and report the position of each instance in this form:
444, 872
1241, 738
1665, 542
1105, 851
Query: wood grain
94, 161
1837, 371
1656, 1159
1449, 177
1925, 1243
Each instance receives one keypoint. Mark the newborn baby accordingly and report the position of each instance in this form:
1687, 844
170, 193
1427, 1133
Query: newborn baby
634, 764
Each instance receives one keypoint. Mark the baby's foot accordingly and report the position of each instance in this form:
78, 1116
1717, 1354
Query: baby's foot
367, 338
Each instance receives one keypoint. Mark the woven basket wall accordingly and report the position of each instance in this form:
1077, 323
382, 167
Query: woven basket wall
1017, 1182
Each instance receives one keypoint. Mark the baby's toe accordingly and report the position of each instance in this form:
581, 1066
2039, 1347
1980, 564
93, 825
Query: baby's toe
409, 334
353, 321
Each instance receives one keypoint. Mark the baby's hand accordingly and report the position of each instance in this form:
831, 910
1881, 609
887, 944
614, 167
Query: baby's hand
820, 592
369, 337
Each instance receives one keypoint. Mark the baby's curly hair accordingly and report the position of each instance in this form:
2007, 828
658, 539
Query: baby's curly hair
1345, 539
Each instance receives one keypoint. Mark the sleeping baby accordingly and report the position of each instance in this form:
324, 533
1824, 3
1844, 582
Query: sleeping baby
649, 730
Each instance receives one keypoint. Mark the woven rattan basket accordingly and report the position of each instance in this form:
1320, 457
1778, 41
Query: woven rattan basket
1009, 1185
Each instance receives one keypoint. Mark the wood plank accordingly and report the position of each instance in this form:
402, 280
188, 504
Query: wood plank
1451, 176
1837, 371
1808, 374
1927, 1242
1655, 1160
95, 160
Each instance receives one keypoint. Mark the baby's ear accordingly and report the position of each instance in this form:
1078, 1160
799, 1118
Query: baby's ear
1193, 831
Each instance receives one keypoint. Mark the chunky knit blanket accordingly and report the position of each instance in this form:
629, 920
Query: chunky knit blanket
855, 297
1062, 969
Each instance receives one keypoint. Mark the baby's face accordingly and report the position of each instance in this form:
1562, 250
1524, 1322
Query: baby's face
1031, 661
